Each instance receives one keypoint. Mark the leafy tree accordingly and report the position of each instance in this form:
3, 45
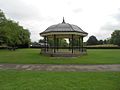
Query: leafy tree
108, 41
75, 42
100, 42
105, 41
63, 43
92, 40
50, 42
41, 41
2, 23
2, 17
12, 34
115, 37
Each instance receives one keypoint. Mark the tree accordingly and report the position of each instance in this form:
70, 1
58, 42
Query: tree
2, 17
100, 42
63, 43
115, 37
12, 34
2, 23
92, 40
107, 41
41, 41
75, 42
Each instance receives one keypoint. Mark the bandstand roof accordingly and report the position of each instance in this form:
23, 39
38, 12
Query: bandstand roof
63, 28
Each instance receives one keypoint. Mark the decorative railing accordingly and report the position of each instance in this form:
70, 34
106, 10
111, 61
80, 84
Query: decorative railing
63, 50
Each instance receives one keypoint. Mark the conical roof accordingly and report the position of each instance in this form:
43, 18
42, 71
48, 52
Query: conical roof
63, 27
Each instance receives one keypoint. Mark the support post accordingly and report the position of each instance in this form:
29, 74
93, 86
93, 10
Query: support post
69, 45
45, 43
57, 44
82, 43
72, 43
79, 43
54, 43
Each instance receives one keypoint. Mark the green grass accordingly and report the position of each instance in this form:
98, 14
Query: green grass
32, 56
35, 80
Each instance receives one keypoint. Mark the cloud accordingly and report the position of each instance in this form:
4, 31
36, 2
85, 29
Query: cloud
37, 15
114, 22
77, 10
117, 16
16, 9
110, 27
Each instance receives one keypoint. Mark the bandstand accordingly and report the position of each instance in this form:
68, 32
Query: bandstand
72, 33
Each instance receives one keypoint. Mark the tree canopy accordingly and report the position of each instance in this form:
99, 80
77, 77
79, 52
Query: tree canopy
92, 40
62, 42
115, 37
12, 34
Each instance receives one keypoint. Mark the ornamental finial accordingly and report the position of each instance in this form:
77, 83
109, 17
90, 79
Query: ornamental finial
63, 20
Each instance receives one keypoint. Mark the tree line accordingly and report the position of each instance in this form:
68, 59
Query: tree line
12, 34
114, 39
92, 40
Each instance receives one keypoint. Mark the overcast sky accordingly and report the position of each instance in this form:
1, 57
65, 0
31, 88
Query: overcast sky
97, 17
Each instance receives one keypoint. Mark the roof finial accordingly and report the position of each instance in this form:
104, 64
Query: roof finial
63, 20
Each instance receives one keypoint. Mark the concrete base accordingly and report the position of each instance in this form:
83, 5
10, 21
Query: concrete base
65, 54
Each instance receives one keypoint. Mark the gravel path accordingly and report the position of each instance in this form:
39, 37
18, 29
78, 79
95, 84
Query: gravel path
54, 67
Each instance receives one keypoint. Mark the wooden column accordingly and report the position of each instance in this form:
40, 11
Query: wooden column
82, 43
79, 43
72, 43
54, 43
69, 45
45, 43
57, 39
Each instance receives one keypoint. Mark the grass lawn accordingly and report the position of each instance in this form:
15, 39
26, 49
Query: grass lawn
35, 80
32, 56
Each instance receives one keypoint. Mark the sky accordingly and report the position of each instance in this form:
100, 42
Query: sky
96, 17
